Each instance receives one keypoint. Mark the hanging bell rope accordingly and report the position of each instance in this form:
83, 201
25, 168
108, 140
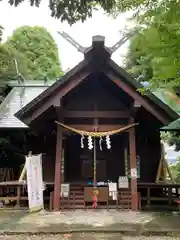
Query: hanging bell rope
97, 134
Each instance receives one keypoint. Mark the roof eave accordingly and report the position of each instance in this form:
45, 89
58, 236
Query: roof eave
172, 115
59, 83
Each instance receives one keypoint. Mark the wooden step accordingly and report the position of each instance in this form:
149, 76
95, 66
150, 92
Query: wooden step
77, 192
72, 200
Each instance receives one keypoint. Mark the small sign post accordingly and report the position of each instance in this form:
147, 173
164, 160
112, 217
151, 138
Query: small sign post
123, 182
133, 173
65, 190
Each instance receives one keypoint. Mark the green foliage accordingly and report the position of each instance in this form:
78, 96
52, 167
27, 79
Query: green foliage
13, 147
35, 52
175, 169
40, 51
71, 10
154, 53
37, 57
174, 139
1, 32
75, 10
155, 50
8, 70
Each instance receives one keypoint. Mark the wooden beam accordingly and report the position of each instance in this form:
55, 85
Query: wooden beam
136, 96
57, 177
57, 102
135, 107
132, 150
90, 127
136, 104
55, 99
96, 114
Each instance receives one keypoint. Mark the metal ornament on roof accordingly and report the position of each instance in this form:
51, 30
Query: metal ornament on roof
82, 49
125, 37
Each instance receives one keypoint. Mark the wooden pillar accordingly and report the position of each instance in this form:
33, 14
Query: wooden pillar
132, 149
57, 179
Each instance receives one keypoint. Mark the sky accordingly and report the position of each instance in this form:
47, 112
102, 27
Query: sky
99, 24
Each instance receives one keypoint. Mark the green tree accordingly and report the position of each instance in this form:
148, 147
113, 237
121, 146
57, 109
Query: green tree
36, 53
138, 61
7, 65
71, 10
174, 139
154, 55
157, 45
1, 32
175, 169
75, 10
154, 52
8, 70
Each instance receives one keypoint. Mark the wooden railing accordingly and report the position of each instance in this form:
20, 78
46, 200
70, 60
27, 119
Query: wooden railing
73, 201
14, 192
161, 192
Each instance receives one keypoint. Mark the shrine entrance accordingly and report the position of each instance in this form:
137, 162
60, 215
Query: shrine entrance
87, 163
79, 162
87, 170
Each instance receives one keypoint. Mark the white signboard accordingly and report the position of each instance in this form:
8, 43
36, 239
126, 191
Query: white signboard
35, 182
133, 173
113, 190
65, 190
123, 182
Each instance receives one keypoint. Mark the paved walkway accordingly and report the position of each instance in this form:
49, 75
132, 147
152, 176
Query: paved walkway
79, 221
85, 237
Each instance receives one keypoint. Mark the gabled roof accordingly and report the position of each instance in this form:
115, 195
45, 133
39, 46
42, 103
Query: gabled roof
173, 101
150, 96
96, 57
58, 84
18, 97
174, 126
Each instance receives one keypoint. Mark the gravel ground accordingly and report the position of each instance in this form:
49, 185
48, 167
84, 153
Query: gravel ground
85, 237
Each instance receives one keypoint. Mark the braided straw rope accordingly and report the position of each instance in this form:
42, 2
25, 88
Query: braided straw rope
97, 134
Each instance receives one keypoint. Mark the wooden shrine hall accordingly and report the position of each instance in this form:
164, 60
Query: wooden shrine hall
99, 130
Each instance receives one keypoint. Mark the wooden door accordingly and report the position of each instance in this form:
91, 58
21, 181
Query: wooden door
101, 170
88, 170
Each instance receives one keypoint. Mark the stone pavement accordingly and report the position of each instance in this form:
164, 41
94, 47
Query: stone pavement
87, 221
85, 237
